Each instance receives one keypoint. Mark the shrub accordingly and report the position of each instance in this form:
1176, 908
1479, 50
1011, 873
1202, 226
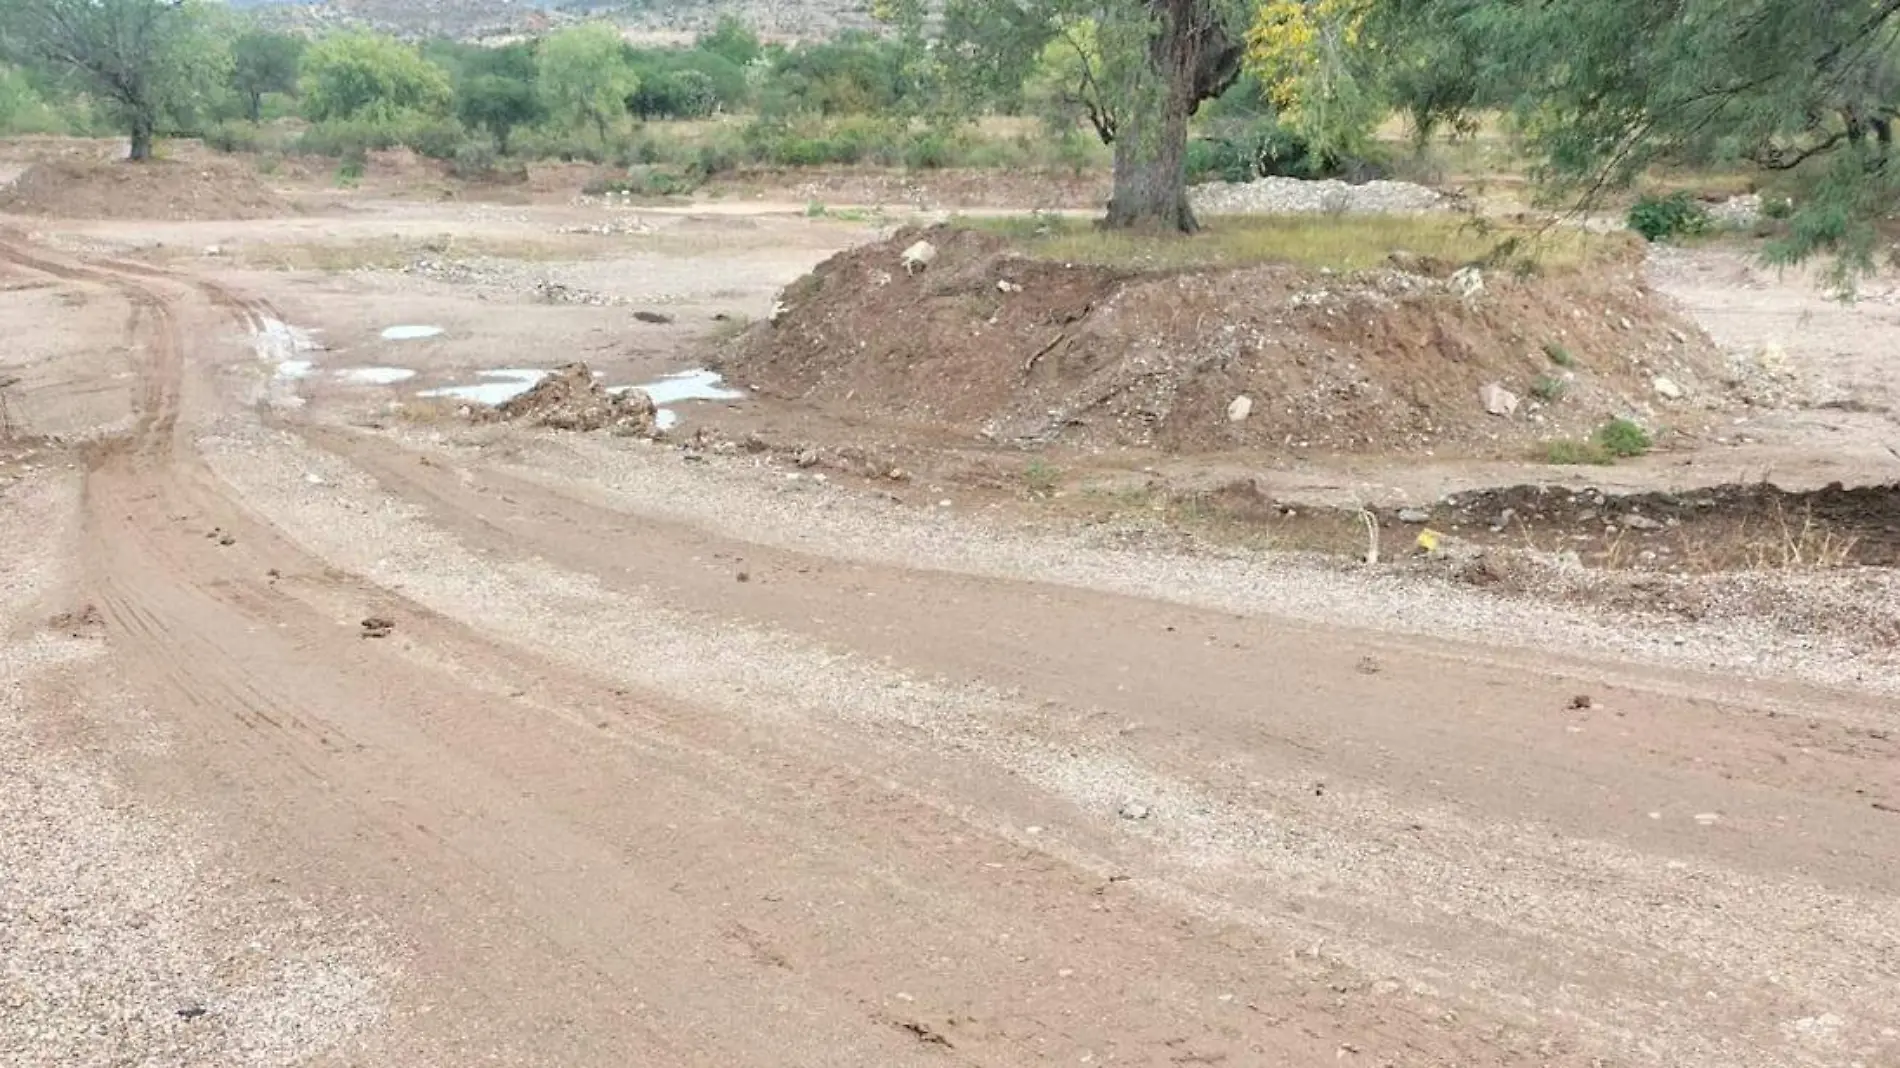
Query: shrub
1622, 438
1572, 453
478, 161
1559, 355
1658, 218
1549, 389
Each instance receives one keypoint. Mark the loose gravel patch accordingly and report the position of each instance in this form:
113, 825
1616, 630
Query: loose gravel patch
1278, 196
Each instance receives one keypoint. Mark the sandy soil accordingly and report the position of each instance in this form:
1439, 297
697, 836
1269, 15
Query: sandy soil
691, 756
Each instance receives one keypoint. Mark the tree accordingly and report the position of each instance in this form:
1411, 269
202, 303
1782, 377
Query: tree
495, 91
370, 76
1604, 89
147, 60
733, 40
264, 62
1158, 60
585, 78
1312, 57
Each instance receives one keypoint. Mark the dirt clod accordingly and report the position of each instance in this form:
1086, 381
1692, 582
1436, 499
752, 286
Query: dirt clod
571, 398
378, 627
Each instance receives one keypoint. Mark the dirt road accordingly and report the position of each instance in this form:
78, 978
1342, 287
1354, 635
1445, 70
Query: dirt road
667, 759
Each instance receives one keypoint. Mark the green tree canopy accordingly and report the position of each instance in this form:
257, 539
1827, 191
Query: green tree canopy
264, 62
1606, 89
148, 61
1154, 62
585, 78
732, 40
370, 76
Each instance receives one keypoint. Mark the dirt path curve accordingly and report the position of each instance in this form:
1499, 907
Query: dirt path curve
625, 789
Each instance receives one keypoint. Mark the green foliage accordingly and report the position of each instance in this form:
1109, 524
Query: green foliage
146, 62
364, 76
1569, 453
585, 79
498, 104
1659, 218
1242, 151
263, 62
677, 94
25, 110
1605, 90
733, 41
477, 162
1622, 438
1559, 355
1549, 388
646, 181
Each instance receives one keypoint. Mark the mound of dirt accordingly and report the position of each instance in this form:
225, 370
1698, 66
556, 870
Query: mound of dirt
571, 398
78, 188
984, 341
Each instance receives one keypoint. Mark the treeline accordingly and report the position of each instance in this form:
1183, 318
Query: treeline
583, 93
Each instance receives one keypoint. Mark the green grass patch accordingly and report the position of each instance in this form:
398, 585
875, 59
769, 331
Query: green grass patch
1549, 388
1614, 440
1340, 242
1559, 355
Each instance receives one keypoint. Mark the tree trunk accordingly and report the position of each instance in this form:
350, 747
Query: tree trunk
142, 128
1192, 56
1151, 173
257, 108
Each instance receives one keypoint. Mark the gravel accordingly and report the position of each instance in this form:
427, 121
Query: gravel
1274, 196
122, 942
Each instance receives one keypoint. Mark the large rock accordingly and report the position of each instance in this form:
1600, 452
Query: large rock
1497, 400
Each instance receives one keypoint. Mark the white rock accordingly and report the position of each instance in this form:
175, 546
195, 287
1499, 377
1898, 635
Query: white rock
1004, 285
1667, 388
1639, 522
1467, 282
1497, 400
918, 256
1414, 515
1134, 810
1239, 408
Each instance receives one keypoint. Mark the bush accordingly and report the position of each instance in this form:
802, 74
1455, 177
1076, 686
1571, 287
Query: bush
234, 137
1658, 218
1623, 438
478, 161
1261, 148
645, 182
1573, 453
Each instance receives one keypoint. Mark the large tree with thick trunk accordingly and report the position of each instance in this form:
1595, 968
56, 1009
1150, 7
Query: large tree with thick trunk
1141, 68
147, 60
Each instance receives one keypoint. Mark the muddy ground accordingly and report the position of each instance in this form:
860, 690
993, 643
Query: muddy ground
343, 726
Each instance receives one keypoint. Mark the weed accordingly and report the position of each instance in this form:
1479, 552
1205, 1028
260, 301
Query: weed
1559, 355
814, 210
1550, 389
1568, 453
1622, 438
1041, 479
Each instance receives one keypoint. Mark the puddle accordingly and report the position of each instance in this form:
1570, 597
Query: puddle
375, 376
295, 368
697, 384
276, 341
409, 333
502, 386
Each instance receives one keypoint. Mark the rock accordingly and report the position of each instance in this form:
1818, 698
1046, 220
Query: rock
657, 318
1497, 400
808, 458
1414, 515
1467, 282
918, 256
1239, 409
1004, 285
1134, 810
213, 250
1639, 522
1667, 389
1581, 702
377, 627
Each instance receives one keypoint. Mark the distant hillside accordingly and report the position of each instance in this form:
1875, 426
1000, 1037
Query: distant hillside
473, 19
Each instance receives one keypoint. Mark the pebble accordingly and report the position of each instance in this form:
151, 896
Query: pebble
1414, 515
1134, 810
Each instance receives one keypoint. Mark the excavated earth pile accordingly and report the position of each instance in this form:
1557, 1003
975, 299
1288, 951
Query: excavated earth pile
1005, 347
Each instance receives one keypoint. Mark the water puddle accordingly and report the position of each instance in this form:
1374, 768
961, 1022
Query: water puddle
296, 368
410, 333
282, 346
696, 384
375, 376
502, 386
